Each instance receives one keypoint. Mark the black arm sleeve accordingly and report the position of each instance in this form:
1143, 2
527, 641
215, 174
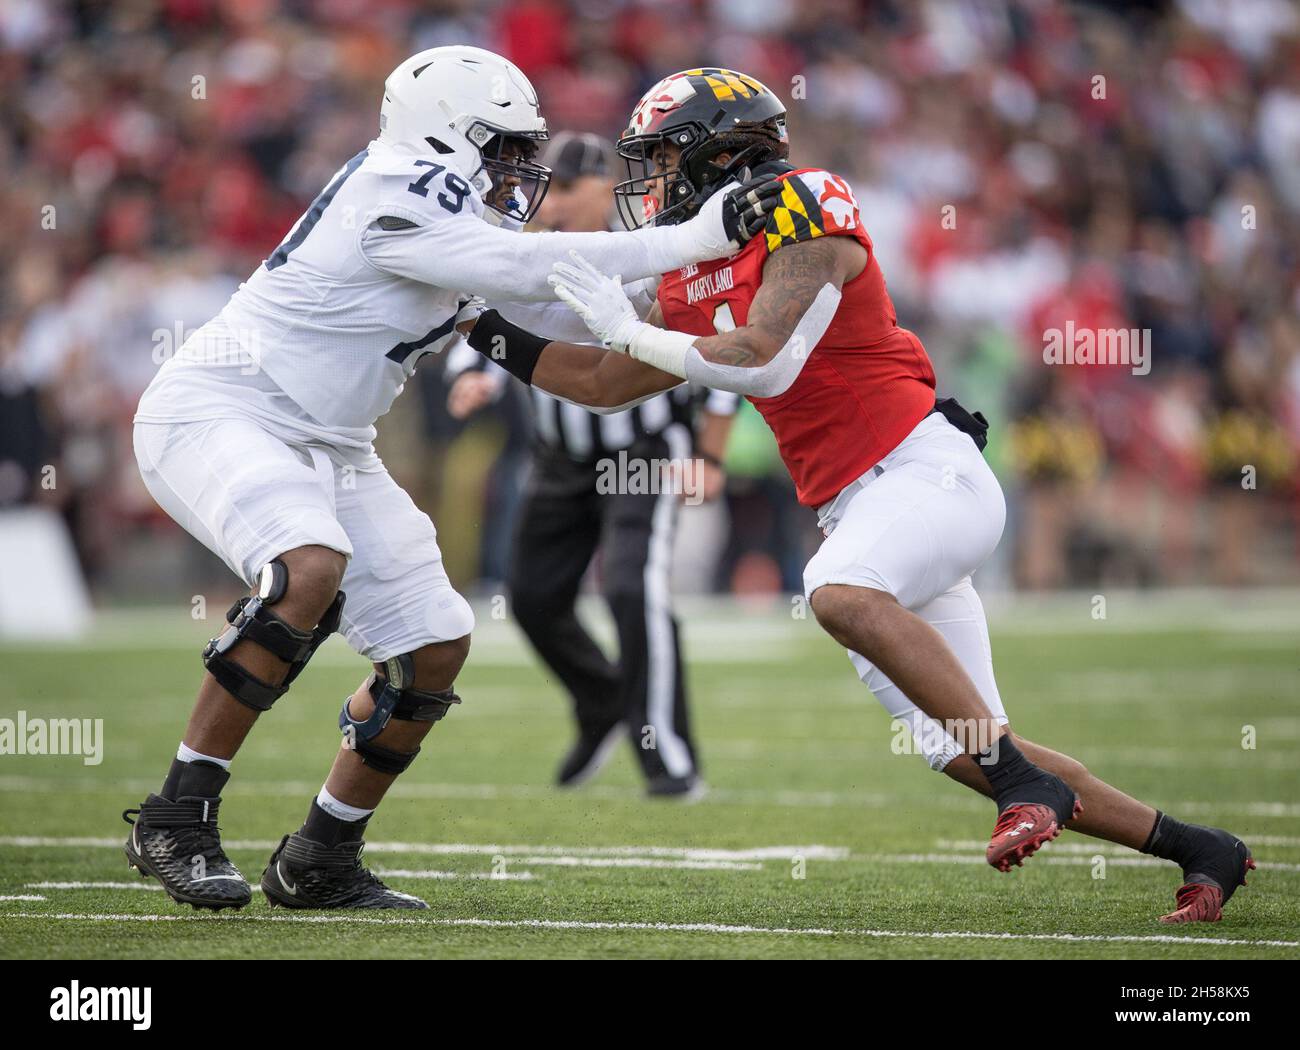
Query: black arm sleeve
510, 346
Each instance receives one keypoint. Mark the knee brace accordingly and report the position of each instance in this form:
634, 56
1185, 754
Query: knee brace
251, 618
394, 697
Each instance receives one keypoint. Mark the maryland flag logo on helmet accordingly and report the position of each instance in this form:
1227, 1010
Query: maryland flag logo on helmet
693, 117
690, 97
727, 84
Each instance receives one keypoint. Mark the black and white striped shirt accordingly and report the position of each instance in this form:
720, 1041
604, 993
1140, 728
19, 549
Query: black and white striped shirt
585, 436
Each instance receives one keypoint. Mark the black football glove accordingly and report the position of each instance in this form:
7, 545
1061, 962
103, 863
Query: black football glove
746, 208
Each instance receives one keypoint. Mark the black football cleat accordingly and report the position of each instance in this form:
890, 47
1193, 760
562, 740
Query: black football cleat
596, 742
1040, 808
179, 844
303, 873
1217, 865
689, 788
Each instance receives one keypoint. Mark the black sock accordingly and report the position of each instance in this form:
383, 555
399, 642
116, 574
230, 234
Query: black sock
1010, 768
201, 779
330, 830
1168, 838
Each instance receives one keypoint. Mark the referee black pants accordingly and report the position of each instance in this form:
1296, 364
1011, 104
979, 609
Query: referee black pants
564, 519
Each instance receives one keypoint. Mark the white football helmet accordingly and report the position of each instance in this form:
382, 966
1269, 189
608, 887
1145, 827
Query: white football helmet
475, 112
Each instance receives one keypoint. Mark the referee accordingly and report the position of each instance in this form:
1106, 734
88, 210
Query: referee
583, 497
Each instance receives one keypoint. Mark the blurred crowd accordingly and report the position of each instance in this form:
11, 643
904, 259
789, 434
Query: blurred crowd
1020, 165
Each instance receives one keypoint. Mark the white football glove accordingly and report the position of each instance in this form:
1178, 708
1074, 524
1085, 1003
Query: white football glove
599, 300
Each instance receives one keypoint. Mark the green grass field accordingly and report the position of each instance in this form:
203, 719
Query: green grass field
815, 841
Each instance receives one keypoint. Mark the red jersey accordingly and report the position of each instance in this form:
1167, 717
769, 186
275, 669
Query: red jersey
865, 385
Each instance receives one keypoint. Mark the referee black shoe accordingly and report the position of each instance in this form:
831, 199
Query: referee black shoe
596, 742
689, 788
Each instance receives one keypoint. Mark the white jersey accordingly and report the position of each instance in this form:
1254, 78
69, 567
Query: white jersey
370, 279
340, 331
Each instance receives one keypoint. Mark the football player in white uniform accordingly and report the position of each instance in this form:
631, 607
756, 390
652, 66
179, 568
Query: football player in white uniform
256, 437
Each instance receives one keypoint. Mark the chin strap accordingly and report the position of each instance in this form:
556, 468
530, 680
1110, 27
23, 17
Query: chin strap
739, 168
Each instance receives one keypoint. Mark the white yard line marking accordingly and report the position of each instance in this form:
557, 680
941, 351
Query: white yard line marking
691, 853
483, 792
492, 876
643, 862
154, 887
673, 857
1108, 848
1045, 857
1250, 809
1176, 758
1274, 840
21, 897
148, 887
719, 640
666, 927
37, 841
1260, 616
813, 852
1198, 685
494, 792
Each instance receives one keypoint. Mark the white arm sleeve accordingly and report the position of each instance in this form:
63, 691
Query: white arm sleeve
677, 353
464, 253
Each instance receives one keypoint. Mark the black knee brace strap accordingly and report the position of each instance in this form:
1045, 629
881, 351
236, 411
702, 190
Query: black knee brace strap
393, 699
251, 619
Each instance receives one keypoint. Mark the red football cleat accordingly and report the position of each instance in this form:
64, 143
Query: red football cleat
1202, 901
1021, 829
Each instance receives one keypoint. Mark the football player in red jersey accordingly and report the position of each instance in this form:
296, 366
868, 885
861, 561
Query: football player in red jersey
801, 323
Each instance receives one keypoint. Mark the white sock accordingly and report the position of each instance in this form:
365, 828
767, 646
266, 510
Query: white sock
342, 810
188, 754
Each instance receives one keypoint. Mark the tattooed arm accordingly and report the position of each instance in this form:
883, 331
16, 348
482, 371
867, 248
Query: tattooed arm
791, 311
792, 278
